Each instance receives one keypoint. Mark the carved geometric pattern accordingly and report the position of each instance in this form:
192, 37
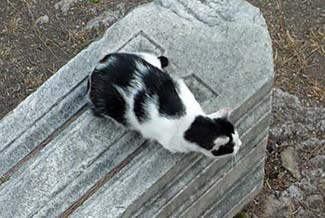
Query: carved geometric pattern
201, 91
141, 42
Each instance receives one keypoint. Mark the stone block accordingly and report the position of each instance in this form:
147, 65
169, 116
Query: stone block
59, 160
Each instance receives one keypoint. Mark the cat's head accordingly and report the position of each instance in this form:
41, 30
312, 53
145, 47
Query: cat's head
214, 135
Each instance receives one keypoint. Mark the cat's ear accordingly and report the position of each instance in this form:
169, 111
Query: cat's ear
222, 113
163, 61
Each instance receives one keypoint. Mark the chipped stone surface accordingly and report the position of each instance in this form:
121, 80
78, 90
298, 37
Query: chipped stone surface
292, 120
59, 160
297, 137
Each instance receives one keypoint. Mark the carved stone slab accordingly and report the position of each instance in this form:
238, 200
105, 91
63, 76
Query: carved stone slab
56, 159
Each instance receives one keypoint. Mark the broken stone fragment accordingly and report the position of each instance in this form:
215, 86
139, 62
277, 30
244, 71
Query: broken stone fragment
288, 158
275, 208
64, 5
295, 192
42, 20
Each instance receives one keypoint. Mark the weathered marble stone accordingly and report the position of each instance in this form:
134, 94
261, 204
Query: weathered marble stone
58, 160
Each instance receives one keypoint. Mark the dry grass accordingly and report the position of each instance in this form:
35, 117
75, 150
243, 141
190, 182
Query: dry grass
294, 57
298, 36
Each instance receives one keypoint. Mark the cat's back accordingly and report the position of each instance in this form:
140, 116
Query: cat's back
115, 70
132, 89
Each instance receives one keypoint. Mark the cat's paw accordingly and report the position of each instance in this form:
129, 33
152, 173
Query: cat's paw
173, 151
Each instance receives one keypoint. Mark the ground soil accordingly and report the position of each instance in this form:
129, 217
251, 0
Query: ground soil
32, 51
297, 28
298, 34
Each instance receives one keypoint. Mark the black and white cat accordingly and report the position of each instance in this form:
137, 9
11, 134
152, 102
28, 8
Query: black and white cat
134, 90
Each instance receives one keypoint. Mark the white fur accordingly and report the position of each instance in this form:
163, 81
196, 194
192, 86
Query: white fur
237, 142
150, 58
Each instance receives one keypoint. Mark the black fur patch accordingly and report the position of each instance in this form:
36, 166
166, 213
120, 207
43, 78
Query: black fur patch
119, 69
139, 110
162, 85
106, 99
108, 102
163, 61
204, 131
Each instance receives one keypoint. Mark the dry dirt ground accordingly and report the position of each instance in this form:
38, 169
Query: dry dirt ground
38, 37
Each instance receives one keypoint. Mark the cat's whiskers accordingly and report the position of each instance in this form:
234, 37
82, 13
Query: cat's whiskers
234, 160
